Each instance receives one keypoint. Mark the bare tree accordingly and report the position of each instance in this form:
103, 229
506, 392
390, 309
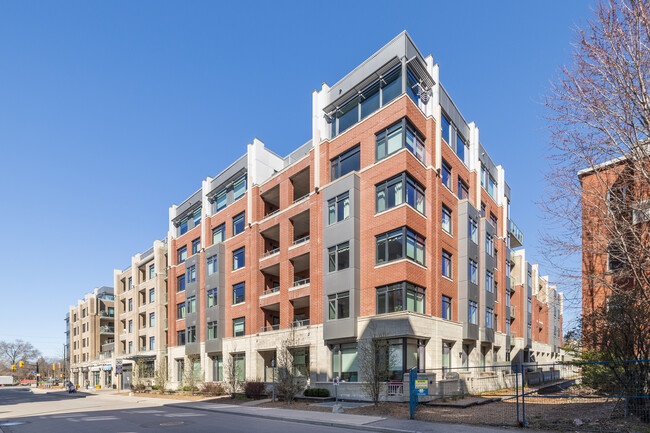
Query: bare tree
232, 373
11, 353
161, 375
600, 123
288, 384
193, 376
374, 361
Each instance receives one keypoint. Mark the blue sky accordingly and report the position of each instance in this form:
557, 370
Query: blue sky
112, 111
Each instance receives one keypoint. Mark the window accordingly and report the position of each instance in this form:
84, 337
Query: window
183, 225
339, 305
446, 174
392, 192
180, 310
494, 221
530, 305
191, 274
217, 368
339, 257
529, 279
615, 257
180, 283
446, 219
181, 255
377, 94
130, 326
239, 363
345, 163
507, 326
239, 187
191, 305
152, 320
130, 304
446, 264
152, 343
489, 318
344, 362
471, 314
196, 216
219, 234
338, 208
472, 271
462, 149
446, 128
238, 224
212, 298
473, 230
152, 271
488, 182
212, 330
196, 246
398, 297
130, 346
482, 210
412, 86
400, 243
446, 307
463, 190
212, 265
238, 327
489, 281
130, 283
221, 200
191, 334
238, 258
180, 341
396, 137
489, 244
238, 293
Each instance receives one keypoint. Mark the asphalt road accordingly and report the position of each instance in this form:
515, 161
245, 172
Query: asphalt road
24, 412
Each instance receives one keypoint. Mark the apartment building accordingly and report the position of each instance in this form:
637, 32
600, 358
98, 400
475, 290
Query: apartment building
141, 319
91, 326
391, 220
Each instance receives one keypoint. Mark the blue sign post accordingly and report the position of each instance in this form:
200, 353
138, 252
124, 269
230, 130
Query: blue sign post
413, 398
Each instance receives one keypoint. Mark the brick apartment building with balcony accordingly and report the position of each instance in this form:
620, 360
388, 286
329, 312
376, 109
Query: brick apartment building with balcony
393, 214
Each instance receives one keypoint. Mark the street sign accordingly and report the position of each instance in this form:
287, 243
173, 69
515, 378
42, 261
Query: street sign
118, 361
118, 368
335, 381
421, 387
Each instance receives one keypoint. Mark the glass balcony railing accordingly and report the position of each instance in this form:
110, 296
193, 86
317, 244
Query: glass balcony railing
517, 237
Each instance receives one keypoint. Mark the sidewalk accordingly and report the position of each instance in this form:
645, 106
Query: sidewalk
356, 422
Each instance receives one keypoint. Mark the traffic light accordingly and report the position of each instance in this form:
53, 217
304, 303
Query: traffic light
13, 366
53, 366
21, 364
59, 365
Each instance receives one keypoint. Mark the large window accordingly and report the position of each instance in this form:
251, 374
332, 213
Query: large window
489, 281
212, 265
196, 216
446, 307
489, 244
212, 298
152, 320
398, 297
180, 310
152, 295
445, 125
180, 283
462, 149
183, 225
397, 190
196, 246
219, 234
615, 257
375, 95
472, 314
473, 230
191, 334
212, 330
446, 264
152, 271
239, 362
463, 190
398, 244
217, 368
446, 174
446, 219
191, 304
191, 274
180, 341
339, 257
338, 208
238, 293
339, 305
472, 267
398, 136
239, 327
239, 187
489, 317
238, 224
346, 162
130, 304
181, 254
488, 182
238, 258
344, 362
221, 200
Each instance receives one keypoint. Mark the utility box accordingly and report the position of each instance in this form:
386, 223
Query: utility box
6, 380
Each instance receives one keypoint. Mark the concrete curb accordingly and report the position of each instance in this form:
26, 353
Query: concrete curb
361, 427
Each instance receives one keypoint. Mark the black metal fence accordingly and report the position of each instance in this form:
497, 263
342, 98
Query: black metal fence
577, 396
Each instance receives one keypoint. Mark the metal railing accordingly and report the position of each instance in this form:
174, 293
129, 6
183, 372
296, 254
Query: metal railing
106, 297
270, 328
301, 198
107, 330
105, 314
301, 240
275, 289
271, 252
272, 213
303, 282
300, 323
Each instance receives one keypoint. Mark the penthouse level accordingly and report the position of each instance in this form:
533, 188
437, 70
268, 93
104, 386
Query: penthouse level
392, 214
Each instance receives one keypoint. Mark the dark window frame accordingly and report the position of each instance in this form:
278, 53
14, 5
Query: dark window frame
336, 251
337, 161
405, 127
408, 184
403, 288
382, 241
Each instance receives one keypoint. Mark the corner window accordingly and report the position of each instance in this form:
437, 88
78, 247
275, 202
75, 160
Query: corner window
191, 274
212, 265
446, 219
462, 149
191, 305
445, 125
238, 293
219, 234
196, 246
346, 162
446, 174
446, 307
339, 305
338, 208
339, 257
398, 297
180, 310
238, 258
180, 283
181, 255
397, 190
472, 267
238, 224
472, 315
446, 264
239, 187
398, 244
398, 136
239, 327
212, 298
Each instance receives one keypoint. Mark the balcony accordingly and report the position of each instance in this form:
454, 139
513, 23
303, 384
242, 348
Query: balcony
107, 330
271, 239
300, 323
106, 297
272, 290
301, 185
300, 225
270, 328
271, 200
516, 235
301, 282
104, 314
513, 312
